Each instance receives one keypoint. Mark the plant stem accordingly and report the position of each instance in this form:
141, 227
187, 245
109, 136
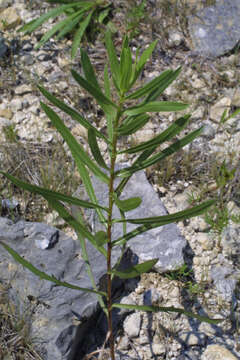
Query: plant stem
109, 231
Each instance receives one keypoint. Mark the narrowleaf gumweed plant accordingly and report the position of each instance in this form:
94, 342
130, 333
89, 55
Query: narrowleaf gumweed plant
122, 119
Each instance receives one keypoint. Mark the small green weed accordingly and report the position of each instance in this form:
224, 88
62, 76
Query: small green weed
10, 133
135, 15
183, 273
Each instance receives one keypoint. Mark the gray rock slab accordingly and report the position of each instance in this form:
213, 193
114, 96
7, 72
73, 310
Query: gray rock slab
215, 30
224, 281
52, 321
62, 316
164, 243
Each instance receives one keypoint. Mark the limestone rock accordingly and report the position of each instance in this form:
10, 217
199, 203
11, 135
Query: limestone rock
132, 324
164, 243
218, 109
9, 18
224, 281
215, 29
217, 352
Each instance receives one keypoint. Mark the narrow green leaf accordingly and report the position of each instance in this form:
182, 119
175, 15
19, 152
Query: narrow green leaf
166, 135
223, 117
162, 220
154, 106
107, 91
235, 113
98, 95
146, 55
129, 204
101, 238
53, 194
79, 34
88, 69
92, 141
113, 60
168, 309
135, 270
51, 32
34, 24
125, 66
68, 110
43, 275
71, 25
166, 219
74, 146
133, 124
103, 14
143, 59
159, 90
152, 85
64, 24
142, 164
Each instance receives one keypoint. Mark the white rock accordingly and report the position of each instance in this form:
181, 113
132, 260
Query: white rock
143, 135
236, 98
16, 104
198, 83
217, 352
23, 89
175, 38
6, 113
218, 109
9, 19
132, 325
4, 122
205, 240
158, 348
192, 339
80, 130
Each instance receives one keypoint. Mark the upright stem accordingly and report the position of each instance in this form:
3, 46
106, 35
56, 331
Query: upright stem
109, 231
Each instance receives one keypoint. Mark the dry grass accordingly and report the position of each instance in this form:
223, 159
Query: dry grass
15, 340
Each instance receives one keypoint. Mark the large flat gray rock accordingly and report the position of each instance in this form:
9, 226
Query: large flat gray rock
215, 30
165, 243
54, 327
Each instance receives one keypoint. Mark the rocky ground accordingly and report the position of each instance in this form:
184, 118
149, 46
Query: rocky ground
32, 149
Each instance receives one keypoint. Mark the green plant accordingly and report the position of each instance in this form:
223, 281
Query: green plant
80, 17
10, 133
181, 274
135, 14
122, 119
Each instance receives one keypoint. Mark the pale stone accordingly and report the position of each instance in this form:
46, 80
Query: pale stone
132, 325
205, 241
4, 122
158, 348
198, 83
6, 113
23, 89
174, 39
142, 136
181, 201
198, 223
80, 130
9, 19
236, 98
198, 113
16, 104
218, 109
193, 339
217, 352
